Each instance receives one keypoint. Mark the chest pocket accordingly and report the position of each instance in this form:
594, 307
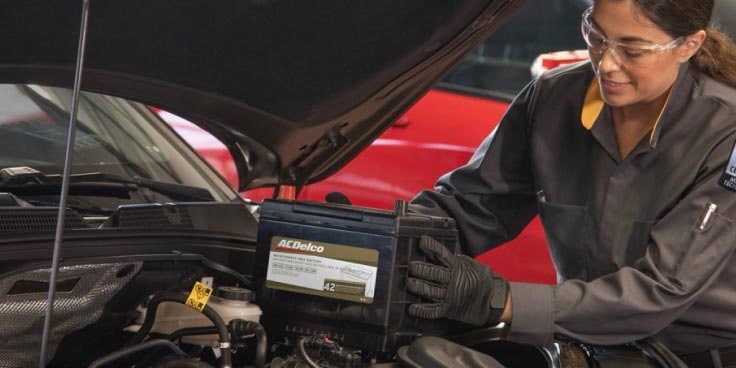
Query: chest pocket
567, 230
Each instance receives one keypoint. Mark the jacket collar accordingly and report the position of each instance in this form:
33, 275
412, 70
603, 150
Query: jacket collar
593, 104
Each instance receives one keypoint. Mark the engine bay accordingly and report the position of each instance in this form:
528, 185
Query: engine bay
322, 286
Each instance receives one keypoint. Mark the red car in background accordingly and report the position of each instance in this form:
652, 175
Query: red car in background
441, 131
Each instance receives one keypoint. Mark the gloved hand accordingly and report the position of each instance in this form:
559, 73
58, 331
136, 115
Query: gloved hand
460, 288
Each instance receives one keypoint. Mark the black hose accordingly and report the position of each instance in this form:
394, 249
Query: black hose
248, 284
303, 353
226, 358
135, 348
182, 363
209, 330
241, 327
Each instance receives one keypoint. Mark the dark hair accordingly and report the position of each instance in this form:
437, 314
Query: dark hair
717, 56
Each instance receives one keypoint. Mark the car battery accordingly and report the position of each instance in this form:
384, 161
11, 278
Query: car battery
341, 271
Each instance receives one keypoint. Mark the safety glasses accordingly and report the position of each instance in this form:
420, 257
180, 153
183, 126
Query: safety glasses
632, 54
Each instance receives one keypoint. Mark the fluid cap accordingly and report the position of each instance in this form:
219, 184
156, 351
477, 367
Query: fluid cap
234, 293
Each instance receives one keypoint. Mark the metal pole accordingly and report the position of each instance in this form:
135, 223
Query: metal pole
64, 186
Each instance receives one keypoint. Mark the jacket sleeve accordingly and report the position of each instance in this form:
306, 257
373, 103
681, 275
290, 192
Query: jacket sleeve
492, 197
682, 260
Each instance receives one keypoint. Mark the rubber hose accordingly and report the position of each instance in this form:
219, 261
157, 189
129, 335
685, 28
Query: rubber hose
226, 358
190, 331
303, 353
183, 363
241, 327
209, 330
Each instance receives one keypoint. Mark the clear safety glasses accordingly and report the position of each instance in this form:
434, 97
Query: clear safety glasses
633, 54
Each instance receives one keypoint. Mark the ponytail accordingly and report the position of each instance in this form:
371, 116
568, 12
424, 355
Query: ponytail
717, 57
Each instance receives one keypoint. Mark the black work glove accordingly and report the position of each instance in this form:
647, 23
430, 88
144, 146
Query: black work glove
460, 288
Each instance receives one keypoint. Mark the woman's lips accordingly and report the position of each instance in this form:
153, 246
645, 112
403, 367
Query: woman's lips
612, 86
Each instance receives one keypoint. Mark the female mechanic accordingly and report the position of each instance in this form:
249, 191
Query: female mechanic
629, 160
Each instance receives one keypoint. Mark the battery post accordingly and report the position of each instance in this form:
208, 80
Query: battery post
287, 192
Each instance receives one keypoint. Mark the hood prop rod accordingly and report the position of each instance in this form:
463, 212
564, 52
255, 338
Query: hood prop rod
64, 186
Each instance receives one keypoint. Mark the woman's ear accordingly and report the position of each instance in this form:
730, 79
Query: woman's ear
691, 45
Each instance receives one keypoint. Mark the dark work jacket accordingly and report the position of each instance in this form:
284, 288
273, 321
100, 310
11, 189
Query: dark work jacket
624, 234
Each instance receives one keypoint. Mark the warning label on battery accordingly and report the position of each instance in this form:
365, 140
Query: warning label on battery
324, 269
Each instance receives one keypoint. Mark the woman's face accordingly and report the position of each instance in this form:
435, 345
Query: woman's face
624, 81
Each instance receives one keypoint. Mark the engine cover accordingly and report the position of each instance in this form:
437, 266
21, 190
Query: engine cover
82, 292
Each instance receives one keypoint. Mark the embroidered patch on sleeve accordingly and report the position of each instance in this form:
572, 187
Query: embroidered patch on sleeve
728, 179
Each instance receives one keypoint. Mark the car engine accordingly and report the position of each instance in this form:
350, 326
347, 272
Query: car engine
322, 286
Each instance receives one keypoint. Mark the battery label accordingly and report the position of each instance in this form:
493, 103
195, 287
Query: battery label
323, 269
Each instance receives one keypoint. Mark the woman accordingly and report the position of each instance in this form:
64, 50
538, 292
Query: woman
630, 161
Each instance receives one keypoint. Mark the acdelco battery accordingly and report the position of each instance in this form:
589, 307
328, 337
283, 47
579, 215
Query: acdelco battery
340, 271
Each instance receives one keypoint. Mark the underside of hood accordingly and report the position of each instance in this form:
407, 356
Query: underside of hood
294, 88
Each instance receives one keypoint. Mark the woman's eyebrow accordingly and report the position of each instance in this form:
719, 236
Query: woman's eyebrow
636, 39
622, 39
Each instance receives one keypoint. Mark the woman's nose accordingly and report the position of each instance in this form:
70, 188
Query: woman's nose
609, 61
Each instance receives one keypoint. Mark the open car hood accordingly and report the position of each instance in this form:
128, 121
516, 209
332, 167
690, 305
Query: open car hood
295, 89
